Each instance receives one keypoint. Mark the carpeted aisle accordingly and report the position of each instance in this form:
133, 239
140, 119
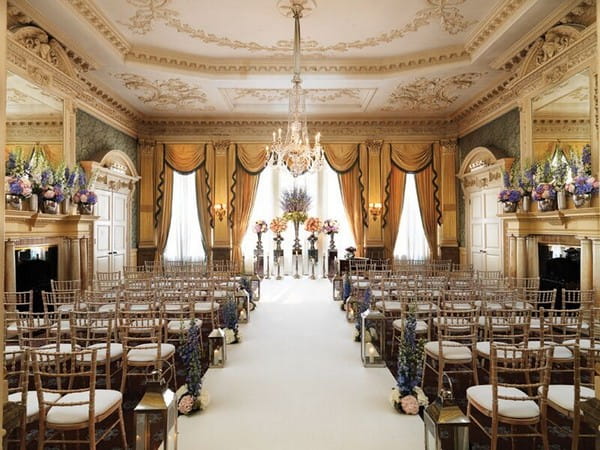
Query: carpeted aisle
296, 383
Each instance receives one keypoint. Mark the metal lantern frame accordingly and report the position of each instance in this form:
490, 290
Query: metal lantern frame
158, 400
446, 426
217, 348
372, 352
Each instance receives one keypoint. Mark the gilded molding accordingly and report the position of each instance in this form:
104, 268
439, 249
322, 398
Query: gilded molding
165, 95
312, 95
561, 128
449, 146
149, 12
34, 130
374, 145
429, 94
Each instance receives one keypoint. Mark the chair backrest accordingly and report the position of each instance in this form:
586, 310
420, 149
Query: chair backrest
64, 300
577, 298
101, 300
458, 325
462, 267
137, 327
92, 327
461, 299
525, 283
18, 301
65, 285
498, 298
39, 329
109, 276
16, 373
508, 326
522, 368
560, 325
140, 296
539, 299
58, 374
489, 274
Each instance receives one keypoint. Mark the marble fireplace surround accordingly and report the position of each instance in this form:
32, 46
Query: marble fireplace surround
570, 227
72, 234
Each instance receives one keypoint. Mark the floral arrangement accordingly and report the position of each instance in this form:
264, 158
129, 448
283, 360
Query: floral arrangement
330, 226
350, 252
278, 225
230, 320
18, 186
190, 396
85, 196
527, 179
246, 285
346, 291
581, 171
406, 396
510, 193
313, 225
544, 191
260, 226
53, 193
295, 203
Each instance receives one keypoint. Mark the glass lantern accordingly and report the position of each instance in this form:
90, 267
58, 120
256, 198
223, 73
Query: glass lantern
372, 338
243, 306
217, 348
337, 283
158, 402
446, 427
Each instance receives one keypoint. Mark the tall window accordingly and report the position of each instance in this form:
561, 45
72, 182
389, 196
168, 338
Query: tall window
185, 237
411, 242
324, 189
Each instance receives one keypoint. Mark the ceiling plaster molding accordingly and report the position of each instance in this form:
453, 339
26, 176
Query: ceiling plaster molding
429, 94
498, 18
101, 24
149, 12
33, 130
165, 95
450, 55
577, 56
260, 130
573, 12
318, 96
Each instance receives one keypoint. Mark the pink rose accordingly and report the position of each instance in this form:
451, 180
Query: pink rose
409, 404
83, 198
49, 193
186, 404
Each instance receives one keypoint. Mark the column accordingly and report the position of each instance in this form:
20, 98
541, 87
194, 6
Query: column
146, 245
10, 267
221, 191
63, 259
75, 260
85, 264
521, 257
586, 263
374, 232
449, 228
533, 260
512, 256
596, 269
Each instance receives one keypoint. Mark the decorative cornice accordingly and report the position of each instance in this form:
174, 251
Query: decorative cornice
260, 130
34, 130
89, 12
561, 128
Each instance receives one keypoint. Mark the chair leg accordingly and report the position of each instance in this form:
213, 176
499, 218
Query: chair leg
494, 438
544, 429
92, 435
122, 427
123, 377
575, 432
440, 374
107, 373
42, 434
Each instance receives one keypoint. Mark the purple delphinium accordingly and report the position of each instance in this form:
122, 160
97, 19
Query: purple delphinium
11, 163
509, 195
82, 179
506, 179
582, 185
362, 307
410, 358
46, 177
586, 156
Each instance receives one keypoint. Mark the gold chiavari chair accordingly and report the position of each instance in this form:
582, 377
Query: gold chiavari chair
536, 300
454, 350
43, 331
65, 285
109, 276
516, 395
16, 374
13, 303
80, 406
106, 301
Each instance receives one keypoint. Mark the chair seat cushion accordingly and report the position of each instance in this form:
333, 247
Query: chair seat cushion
61, 348
65, 327
420, 328
451, 350
9, 352
74, 414
559, 352
584, 344
514, 409
563, 395
178, 326
205, 306
116, 351
484, 349
149, 352
32, 407
389, 306
109, 307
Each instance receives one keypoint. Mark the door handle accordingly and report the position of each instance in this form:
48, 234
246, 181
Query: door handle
482, 251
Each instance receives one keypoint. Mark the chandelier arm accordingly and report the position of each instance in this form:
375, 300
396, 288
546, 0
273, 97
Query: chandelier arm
297, 15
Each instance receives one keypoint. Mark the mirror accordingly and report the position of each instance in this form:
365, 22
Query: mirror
33, 116
562, 117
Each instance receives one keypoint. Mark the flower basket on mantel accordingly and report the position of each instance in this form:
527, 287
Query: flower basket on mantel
545, 195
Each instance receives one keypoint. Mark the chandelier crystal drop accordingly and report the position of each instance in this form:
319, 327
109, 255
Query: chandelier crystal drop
294, 151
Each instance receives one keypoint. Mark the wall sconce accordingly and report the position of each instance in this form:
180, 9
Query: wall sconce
375, 210
220, 211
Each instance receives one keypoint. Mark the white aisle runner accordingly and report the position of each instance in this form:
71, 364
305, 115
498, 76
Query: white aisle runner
296, 383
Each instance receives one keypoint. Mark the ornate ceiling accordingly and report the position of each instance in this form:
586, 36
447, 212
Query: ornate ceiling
232, 59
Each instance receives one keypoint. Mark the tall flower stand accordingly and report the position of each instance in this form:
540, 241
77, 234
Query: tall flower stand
296, 250
332, 256
259, 258
278, 255
313, 254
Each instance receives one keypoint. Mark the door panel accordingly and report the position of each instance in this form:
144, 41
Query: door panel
102, 232
110, 247
119, 231
485, 229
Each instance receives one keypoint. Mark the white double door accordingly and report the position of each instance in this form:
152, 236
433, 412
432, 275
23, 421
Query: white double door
485, 230
110, 249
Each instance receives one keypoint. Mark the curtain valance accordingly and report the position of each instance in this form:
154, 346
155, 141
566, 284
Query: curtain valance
341, 157
412, 157
185, 158
252, 157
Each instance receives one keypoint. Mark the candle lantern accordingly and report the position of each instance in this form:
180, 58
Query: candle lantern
372, 338
255, 286
337, 283
446, 427
217, 348
243, 306
158, 402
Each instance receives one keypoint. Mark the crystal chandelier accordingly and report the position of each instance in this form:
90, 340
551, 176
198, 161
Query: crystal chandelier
294, 152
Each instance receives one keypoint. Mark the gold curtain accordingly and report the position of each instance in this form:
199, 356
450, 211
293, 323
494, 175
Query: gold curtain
164, 216
352, 199
426, 192
184, 158
250, 162
341, 157
412, 157
395, 191
204, 204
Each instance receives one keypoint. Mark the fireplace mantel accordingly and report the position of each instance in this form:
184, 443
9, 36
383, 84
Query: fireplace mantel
573, 222
20, 224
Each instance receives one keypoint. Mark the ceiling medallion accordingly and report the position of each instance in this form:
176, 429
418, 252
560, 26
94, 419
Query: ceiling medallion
451, 20
165, 95
429, 94
294, 152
